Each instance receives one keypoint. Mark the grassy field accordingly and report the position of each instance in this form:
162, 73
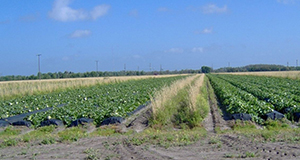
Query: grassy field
285, 74
13, 89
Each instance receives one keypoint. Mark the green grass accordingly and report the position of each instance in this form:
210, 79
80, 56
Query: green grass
92, 154
165, 116
246, 155
72, 134
273, 131
177, 112
39, 134
168, 138
9, 131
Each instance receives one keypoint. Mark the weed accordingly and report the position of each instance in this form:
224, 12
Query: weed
10, 142
250, 154
214, 140
168, 138
48, 140
228, 155
10, 131
106, 144
92, 154
71, 134
105, 131
23, 153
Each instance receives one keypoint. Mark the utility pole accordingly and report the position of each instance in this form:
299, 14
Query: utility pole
138, 68
161, 69
228, 64
287, 64
297, 63
97, 66
150, 67
39, 66
125, 67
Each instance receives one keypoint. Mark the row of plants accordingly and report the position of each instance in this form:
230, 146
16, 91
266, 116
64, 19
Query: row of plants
237, 100
182, 105
272, 90
97, 102
289, 87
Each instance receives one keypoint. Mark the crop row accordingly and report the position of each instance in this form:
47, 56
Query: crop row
97, 102
237, 100
279, 93
267, 89
287, 87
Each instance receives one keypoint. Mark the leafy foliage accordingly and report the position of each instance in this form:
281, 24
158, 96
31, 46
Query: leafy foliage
96, 102
257, 95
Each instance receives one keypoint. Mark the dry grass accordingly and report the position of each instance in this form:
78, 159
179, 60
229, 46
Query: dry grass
285, 74
21, 88
182, 105
167, 93
194, 91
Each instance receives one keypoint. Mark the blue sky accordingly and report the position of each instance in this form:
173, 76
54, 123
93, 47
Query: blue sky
177, 34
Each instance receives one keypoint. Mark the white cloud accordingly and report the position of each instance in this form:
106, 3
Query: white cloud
286, 1
197, 49
174, 50
99, 11
80, 34
134, 13
212, 8
62, 12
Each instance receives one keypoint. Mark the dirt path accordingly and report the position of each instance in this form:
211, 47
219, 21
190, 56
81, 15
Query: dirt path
214, 118
213, 147
222, 147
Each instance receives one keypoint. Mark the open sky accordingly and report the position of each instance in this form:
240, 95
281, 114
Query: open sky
71, 35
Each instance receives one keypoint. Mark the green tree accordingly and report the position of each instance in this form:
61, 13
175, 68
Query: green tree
206, 69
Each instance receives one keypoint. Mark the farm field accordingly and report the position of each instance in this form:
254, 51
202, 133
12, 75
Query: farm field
189, 117
257, 95
284, 74
97, 102
11, 89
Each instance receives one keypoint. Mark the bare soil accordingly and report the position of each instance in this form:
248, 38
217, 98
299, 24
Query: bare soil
213, 147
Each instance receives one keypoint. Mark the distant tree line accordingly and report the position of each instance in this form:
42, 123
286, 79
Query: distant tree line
67, 74
204, 69
257, 68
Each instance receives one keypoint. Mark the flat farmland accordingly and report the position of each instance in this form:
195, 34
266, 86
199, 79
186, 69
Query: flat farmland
284, 74
30, 87
182, 117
